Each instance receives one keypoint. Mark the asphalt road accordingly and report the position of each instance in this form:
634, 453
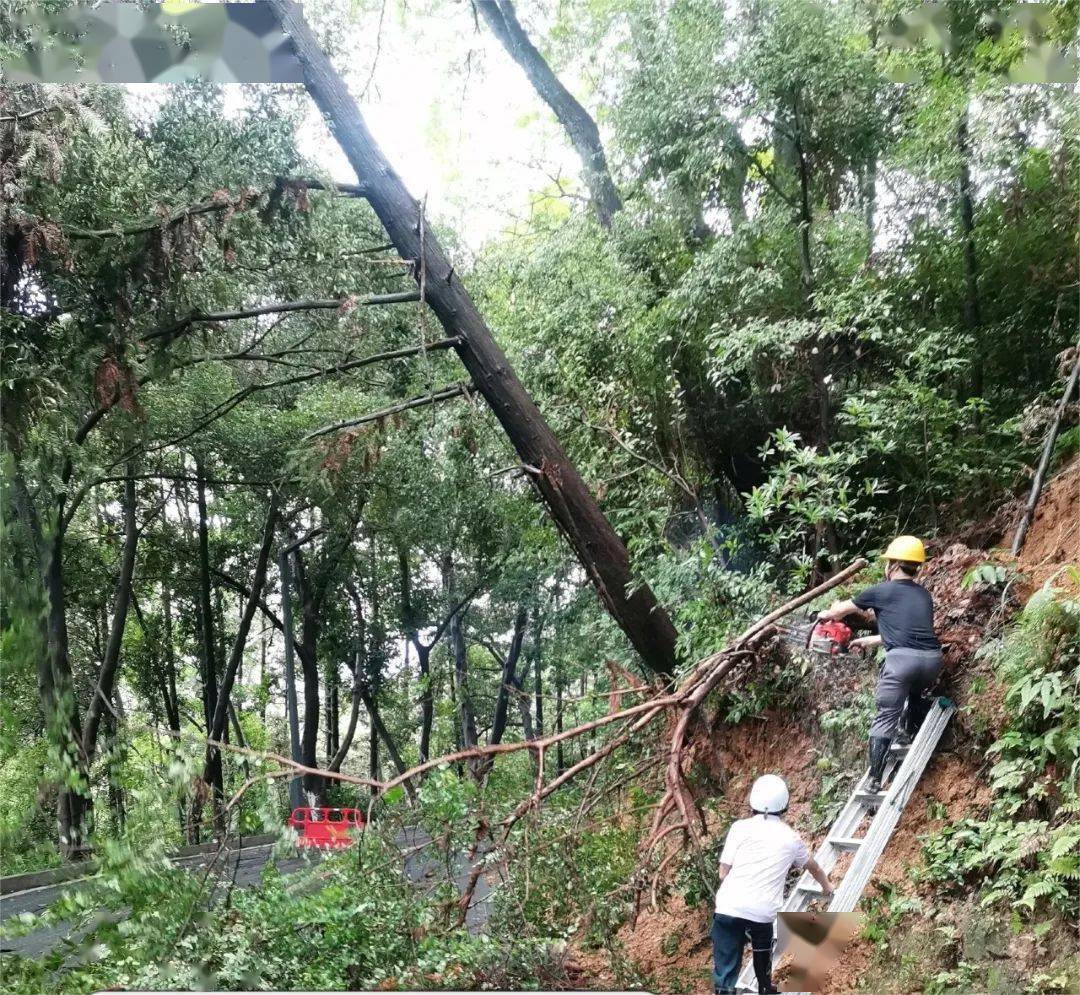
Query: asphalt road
424, 867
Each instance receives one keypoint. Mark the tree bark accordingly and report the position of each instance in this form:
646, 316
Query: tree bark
427, 699
466, 716
806, 220
206, 611
307, 649
423, 654
168, 687
524, 704
578, 124
599, 549
56, 688
354, 717
383, 733
972, 308
106, 681
212, 770
538, 678
507, 681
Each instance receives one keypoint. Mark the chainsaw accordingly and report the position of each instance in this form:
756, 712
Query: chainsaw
830, 637
826, 637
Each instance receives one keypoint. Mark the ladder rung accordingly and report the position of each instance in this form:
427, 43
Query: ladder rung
870, 796
898, 748
846, 842
813, 888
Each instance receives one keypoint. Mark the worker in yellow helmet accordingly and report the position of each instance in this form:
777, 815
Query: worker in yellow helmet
904, 612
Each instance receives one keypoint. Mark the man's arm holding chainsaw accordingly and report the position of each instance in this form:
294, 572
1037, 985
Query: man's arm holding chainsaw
840, 609
843, 609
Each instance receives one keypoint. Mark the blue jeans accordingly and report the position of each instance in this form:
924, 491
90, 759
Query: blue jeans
728, 939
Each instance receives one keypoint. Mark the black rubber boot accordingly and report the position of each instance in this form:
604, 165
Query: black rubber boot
879, 754
915, 714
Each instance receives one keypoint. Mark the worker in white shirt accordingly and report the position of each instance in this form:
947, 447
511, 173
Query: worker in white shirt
754, 864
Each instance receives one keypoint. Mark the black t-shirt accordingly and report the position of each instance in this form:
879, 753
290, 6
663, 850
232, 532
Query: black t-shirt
904, 612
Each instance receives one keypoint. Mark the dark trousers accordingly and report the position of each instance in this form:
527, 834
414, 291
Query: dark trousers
904, 679
728, 940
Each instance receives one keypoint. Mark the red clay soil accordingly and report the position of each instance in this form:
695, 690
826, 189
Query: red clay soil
1053, 540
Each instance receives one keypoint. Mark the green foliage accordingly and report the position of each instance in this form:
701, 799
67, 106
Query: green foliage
808, 493
885, 914
558, 890
987, 574
350, 921
1027, 851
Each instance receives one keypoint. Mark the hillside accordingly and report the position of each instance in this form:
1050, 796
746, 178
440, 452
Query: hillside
915, 930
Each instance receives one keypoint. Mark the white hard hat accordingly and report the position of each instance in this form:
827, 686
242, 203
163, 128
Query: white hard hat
769, 795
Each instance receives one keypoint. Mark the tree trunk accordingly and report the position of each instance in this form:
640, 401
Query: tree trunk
599, 549
427, 699
972, 308
374, 766
466, 717
508, 685
168, 689
578, 124
57, 690
331, 711
55, 684
524, 704
106, 681
538, 679
354, 717
805, 220
206, 612
383, 733
212, 768
309, 667
560, 759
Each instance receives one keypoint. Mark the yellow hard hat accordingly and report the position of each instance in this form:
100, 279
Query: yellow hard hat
906, 548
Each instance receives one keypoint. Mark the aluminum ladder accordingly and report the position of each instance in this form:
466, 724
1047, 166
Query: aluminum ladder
903, 769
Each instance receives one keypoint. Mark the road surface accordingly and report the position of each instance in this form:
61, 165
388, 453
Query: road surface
422, 866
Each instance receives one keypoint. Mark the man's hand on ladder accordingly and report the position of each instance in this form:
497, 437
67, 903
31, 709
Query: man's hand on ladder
822, 878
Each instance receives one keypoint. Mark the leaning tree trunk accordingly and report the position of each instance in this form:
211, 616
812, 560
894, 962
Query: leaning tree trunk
599, 549
346, 742
577, 122
206, 611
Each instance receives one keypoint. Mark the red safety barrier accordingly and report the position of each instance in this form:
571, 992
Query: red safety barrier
326, 827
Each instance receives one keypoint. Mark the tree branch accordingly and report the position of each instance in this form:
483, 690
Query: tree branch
203, 317
446, 394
